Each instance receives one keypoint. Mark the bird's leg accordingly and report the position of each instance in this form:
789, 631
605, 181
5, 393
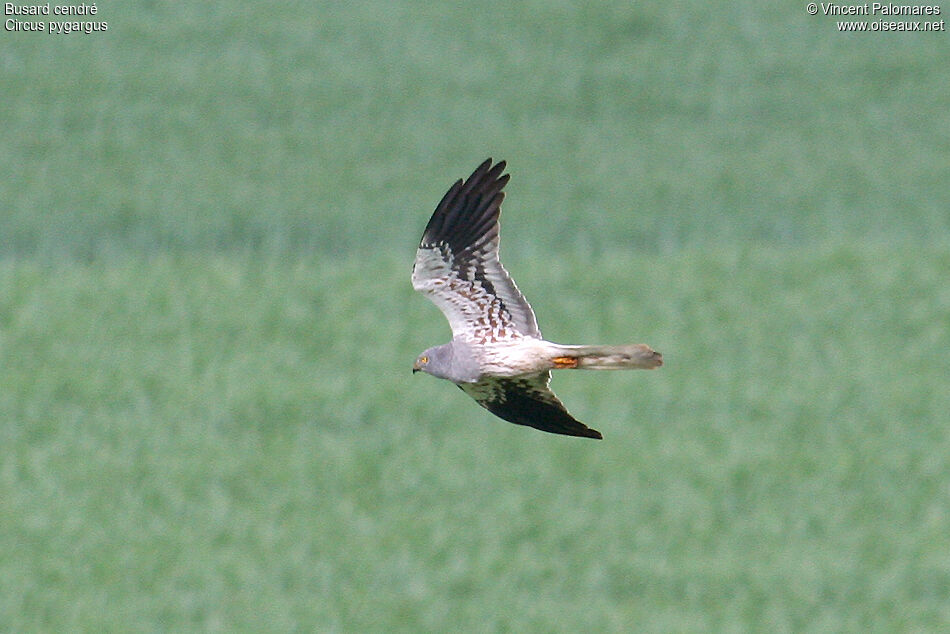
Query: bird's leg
564, 363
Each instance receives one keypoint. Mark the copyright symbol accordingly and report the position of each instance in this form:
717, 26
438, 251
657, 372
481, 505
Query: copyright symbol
812, 8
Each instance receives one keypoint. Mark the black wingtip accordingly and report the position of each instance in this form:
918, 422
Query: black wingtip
585, 432
487, 163
470, 208
574, 432
486, 173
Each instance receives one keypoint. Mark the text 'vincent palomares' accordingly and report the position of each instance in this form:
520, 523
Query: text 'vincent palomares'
877, 8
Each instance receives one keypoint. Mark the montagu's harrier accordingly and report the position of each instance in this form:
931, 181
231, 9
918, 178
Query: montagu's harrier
497, 355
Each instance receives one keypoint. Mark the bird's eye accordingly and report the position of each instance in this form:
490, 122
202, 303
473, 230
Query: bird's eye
424, 360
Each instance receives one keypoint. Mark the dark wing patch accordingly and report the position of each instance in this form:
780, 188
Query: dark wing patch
457, 264
467, 215
527, 400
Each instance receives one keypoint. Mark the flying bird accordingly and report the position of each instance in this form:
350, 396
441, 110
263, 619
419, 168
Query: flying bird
497, 355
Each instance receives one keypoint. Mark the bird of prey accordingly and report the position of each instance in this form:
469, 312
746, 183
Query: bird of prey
497, 355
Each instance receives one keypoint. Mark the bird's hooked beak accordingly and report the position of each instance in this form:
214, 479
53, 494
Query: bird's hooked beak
415, 367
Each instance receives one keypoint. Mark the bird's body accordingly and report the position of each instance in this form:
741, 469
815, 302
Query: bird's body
497, 354
515, 357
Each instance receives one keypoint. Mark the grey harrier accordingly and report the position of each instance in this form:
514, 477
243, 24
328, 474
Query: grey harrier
497, 355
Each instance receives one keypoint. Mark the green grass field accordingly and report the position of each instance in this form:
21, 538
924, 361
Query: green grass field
207, 416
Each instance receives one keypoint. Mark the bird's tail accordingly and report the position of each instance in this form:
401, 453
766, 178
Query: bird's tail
627, 357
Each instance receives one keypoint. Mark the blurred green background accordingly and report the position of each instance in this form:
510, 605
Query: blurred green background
208, 216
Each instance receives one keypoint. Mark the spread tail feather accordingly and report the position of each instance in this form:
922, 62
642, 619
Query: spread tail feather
627, 357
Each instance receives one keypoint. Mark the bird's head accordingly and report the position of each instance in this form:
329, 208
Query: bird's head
448, 361
422, 362
438, 361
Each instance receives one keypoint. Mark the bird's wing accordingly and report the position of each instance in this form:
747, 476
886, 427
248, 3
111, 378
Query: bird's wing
457, 263
527, 400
